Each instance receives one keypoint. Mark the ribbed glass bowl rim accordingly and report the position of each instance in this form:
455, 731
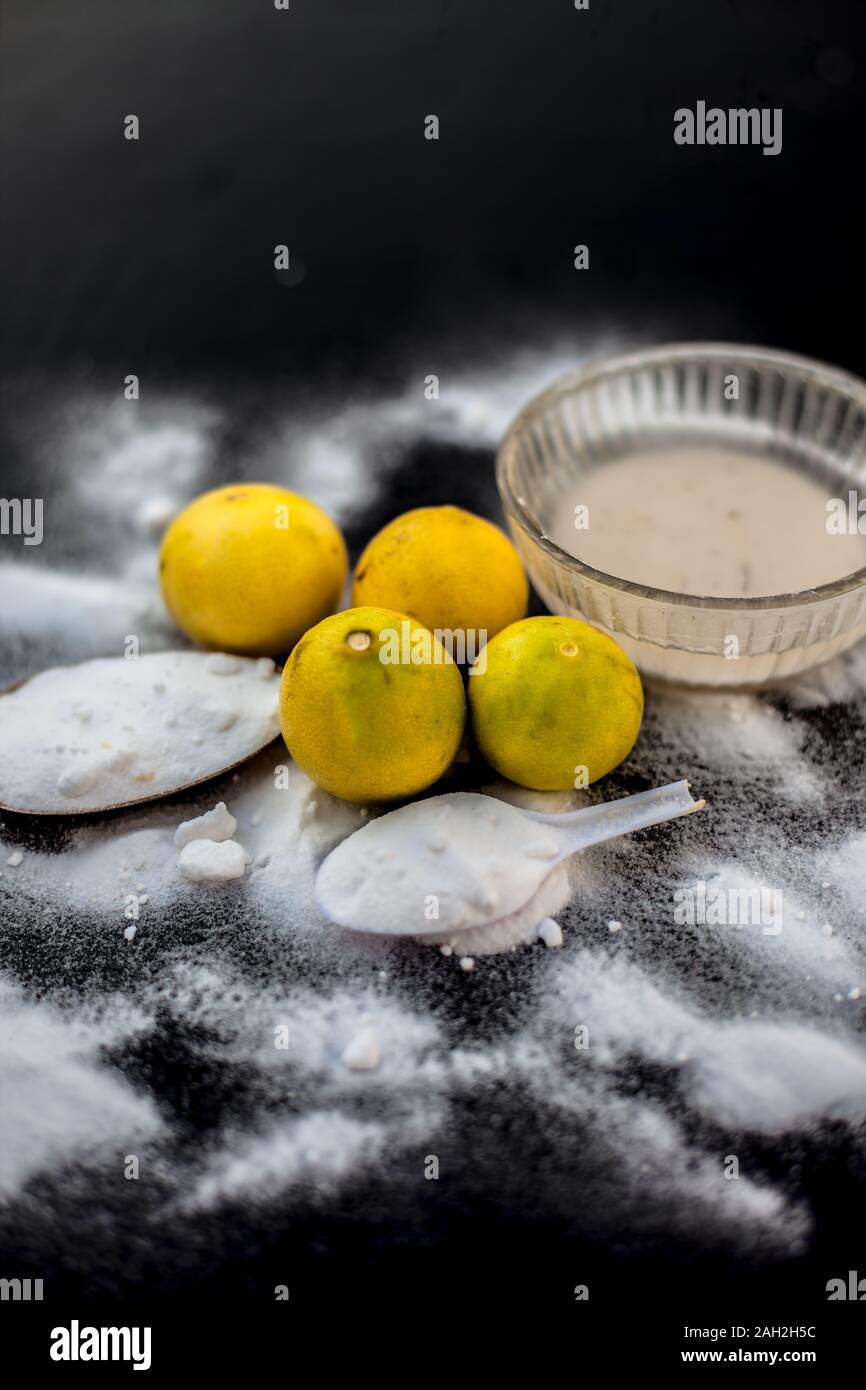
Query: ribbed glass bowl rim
820, 373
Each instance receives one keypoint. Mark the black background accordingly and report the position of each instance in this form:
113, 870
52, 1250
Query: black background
306, 127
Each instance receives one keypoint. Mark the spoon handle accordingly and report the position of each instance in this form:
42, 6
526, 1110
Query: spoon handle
593, 824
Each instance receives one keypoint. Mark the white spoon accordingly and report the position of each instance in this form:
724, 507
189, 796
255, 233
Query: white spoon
455, 863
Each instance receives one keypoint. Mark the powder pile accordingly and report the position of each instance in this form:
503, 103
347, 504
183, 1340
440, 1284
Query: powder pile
212, 861
218, 824
113, 731
364, 1052
550, 932
450, 863
208, 854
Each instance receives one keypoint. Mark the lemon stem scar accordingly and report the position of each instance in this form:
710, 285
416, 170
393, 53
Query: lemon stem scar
569, 649
359, 641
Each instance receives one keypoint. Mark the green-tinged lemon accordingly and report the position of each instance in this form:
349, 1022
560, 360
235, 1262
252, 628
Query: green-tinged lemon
372, 705
555, 703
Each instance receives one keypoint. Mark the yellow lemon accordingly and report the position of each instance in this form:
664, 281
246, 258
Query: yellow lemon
372, 705
248, 568
449, 569
555, 703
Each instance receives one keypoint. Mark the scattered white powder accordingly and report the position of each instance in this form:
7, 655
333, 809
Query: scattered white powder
674, 1183
59, 1101
515, 928
138, 456
100, 868
684, 1003
139, 738
834, 683
216, 824
467, 963
550, 932
329, 1145
79, 615
753, 1075
419, 1072
847, 863
341, 457
103, 865
774, 928
220, 664
206, 861
364, 1052
740, 735
323, 1149
154, 515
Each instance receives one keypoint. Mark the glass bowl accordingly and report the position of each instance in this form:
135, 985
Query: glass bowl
797, 412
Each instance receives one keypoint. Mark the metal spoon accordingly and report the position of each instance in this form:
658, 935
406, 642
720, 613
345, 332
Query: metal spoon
27, 739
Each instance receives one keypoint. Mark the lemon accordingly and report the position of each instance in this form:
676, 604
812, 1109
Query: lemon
449, 569
555, 703
249, 568
364, 718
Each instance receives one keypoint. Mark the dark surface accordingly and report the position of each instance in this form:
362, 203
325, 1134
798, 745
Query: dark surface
305, 127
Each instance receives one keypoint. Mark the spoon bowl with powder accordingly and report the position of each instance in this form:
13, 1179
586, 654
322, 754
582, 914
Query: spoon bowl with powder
115, 732
467, 870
